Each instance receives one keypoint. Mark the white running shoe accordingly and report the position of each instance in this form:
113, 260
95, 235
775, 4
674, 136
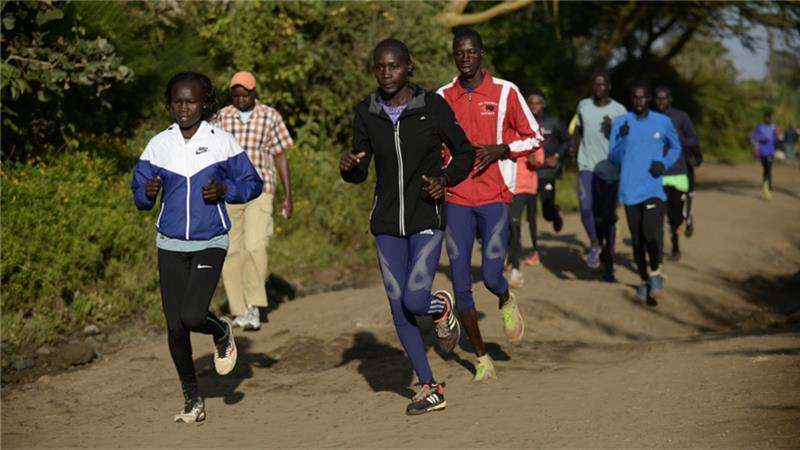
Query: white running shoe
516, 280
193, 411
240, 320
225, 350
252, 319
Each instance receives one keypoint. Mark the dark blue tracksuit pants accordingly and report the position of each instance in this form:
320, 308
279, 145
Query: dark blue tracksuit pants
464, 224
408, 265
598, 198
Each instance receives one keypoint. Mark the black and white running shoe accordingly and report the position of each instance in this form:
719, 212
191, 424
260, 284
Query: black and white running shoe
429, 398
225, 350
193, 411
448, 330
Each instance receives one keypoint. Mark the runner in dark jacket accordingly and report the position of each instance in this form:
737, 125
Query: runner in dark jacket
556, 141
403, 127
679, 179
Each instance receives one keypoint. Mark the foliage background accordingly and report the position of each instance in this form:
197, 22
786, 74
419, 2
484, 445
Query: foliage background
82, 92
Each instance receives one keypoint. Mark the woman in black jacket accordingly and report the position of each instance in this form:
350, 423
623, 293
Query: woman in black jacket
403, 127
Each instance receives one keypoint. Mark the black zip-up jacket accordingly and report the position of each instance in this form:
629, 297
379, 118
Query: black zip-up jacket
403, 154
556, 141
690, 145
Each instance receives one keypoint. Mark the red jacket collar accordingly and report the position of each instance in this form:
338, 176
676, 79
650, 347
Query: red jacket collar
481, 88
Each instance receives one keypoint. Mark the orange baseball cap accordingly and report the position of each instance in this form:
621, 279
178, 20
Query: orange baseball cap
244, 79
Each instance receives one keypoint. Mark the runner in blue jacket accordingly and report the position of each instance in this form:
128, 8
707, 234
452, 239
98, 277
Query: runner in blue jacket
196, 167
644, 144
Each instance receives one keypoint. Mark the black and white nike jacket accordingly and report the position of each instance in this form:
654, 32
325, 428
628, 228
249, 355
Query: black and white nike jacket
403, 154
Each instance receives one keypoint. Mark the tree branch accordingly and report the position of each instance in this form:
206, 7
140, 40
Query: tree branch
457, 6
679, 44
626, 23
658, 33
556, 24
451, 19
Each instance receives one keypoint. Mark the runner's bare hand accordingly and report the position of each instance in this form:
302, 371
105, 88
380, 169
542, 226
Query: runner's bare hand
349, 161
152, 188
214, 190
487, 154
434, 186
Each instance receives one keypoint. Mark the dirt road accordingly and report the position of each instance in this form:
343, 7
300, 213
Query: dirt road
717, 364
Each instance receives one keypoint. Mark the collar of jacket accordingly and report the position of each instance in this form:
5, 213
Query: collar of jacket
480, 89
417, 101
202, 130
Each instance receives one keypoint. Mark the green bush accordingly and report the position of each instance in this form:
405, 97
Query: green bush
75, 250
330, 226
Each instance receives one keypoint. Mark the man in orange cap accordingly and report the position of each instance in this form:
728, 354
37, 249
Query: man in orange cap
263, 135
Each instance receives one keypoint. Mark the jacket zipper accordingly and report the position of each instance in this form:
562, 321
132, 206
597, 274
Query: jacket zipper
160, 213
188, 215
374, 205
400, 177
221, 217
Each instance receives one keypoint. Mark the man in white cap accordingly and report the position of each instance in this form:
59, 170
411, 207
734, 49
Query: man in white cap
263, 135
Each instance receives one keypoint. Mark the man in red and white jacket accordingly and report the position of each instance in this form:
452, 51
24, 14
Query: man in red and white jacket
498, 123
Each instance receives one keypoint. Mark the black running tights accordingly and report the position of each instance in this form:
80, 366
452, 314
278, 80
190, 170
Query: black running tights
766, 163
547, 194
676, 212
519, 203
188, 281
646, 224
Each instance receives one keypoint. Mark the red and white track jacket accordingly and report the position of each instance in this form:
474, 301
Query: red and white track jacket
493, 113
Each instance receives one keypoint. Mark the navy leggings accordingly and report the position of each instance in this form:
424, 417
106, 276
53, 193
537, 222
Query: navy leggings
408, 265
464, 224
598, 199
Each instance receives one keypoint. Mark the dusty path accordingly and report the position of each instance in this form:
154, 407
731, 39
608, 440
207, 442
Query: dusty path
717, 364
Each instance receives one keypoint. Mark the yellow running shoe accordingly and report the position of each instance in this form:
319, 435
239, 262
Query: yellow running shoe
513, 325
485, 369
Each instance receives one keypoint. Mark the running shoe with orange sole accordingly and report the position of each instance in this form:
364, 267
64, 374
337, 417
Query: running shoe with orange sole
532, 259
225, 350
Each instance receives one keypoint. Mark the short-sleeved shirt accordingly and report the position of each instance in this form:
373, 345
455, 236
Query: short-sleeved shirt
593, 153
263, 135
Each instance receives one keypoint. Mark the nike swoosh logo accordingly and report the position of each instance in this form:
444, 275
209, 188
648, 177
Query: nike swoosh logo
646, 206
203, 266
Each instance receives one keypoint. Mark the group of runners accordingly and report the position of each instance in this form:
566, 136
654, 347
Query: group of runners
453, 166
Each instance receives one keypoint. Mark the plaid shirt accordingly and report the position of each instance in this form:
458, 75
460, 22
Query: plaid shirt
263, 136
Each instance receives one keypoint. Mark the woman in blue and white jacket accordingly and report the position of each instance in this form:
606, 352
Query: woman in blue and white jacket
199, 167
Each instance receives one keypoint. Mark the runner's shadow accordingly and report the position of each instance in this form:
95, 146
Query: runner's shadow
656, 311
741, 187
563, 255
279, 290
384, 367
213, 385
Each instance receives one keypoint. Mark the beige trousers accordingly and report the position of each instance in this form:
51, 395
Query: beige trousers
245, 270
